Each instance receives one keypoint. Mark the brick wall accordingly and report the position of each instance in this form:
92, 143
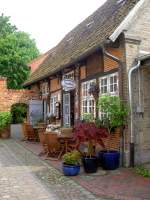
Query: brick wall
137, 40
8, 97
94, 64
141, 122
109, 64
140, 28
55, 84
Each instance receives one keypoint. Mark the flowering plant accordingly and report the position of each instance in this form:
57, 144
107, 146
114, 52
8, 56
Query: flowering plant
88, 132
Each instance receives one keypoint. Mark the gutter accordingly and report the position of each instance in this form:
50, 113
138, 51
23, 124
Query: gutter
132, 145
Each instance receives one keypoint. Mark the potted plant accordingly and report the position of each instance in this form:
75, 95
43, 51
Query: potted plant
115, 117
19, 116
87, 133
71, 163
5, 120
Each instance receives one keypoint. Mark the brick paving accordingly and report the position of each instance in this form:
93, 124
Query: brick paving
122, 184
24, 176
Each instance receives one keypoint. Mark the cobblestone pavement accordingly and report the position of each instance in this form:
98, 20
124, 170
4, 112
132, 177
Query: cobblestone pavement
120, 184
23, 176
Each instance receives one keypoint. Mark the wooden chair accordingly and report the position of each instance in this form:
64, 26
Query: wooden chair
43, 141
24, 131
53, 145
66, 141
29, 132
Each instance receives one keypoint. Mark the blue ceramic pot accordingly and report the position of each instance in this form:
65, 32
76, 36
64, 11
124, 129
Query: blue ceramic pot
71, 170
111, 160
100, 157
90, 164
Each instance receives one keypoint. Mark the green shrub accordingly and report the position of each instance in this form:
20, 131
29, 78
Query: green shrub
5, 120
87, 117
72, 158
142, 171
115, 112
19, 113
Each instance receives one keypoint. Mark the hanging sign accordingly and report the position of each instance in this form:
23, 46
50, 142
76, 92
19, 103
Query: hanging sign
68, 84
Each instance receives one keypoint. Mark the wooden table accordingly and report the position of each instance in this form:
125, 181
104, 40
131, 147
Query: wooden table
65, 144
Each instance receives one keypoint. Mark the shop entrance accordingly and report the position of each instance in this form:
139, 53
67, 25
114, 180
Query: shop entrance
68, 108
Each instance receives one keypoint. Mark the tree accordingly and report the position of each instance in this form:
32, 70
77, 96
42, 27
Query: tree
115, 110
17, 49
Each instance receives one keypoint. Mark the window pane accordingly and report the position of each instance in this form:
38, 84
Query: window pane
115, 88
103, 85
111, 88
88, 102
115, 79
113, 83
111, 80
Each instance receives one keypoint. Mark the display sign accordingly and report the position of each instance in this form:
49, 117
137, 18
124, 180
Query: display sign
68, 84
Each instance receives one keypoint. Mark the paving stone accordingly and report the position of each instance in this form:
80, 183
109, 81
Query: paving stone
24, 176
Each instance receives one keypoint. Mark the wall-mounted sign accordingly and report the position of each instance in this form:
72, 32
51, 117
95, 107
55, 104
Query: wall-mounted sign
68, 84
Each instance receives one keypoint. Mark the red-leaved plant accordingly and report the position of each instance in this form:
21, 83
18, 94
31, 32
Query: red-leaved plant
89, 133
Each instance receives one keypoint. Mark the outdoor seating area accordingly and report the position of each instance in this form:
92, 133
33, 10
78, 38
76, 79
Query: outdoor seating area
54, 143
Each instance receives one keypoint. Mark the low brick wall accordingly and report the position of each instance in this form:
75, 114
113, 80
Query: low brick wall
112, 142
8, 97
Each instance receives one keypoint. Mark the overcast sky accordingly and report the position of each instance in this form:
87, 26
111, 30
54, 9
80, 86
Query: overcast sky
47, 21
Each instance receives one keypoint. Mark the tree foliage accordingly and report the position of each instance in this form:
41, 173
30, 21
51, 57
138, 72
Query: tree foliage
18, 112
17, 49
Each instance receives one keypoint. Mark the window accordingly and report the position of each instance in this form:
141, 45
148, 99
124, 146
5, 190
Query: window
103, 85
113, 83
69, 75
109, 84
55, 97
45, 88
88, 102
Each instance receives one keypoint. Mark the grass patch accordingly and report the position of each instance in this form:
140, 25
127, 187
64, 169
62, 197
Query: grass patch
142, 171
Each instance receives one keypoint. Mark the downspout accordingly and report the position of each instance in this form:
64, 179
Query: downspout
132, 146
116, 59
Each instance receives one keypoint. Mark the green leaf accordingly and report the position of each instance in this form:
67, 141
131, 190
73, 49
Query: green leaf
17, 49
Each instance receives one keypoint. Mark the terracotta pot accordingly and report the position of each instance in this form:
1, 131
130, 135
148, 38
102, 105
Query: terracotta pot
5, 134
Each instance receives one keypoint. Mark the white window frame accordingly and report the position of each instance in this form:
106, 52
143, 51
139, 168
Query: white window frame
113, 93
54, 98
108, 77
87, 98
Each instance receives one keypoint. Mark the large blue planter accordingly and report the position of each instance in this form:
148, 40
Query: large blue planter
71, 170
111, 160
100, 157
90, 164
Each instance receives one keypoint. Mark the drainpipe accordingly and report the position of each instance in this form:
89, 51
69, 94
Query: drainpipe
106, 53
132, 146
